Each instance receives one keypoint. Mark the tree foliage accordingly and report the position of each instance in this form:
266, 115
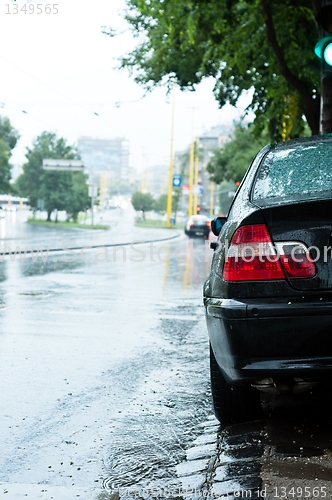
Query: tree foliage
160, 204
231, 162
79, 196
62, 190
8, 139
262, 45
142, 201
227, 191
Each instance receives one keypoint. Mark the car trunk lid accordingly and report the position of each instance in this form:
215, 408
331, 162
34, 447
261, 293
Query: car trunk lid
293, 188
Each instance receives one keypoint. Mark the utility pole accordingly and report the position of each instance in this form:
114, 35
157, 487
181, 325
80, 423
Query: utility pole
196, 176
170, 172
92, 194
191, 170
212, 198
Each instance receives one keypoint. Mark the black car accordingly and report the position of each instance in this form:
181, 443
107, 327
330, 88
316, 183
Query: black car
268, 298
198, 225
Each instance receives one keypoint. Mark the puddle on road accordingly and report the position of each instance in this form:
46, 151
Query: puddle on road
143, 458
169, 445
35, 294
54, 264
164, 417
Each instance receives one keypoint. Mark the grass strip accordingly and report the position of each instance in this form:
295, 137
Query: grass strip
62, 223
159, 224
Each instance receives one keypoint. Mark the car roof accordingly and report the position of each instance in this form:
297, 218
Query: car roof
305, 141
198, 216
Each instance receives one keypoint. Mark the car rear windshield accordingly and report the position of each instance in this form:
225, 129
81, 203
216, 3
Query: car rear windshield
297, 173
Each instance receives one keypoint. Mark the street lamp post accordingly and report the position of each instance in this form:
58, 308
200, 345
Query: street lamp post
92, 194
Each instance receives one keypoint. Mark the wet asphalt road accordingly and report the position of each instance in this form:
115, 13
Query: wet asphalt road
103, 375
105, 383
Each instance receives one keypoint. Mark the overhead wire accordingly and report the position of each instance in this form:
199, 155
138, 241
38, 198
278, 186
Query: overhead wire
52, 88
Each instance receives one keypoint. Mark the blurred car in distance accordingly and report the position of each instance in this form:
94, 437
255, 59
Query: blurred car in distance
268, 298
198, 225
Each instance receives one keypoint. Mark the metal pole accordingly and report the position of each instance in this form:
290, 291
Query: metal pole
170, 174
191, 171
92, 202
212, 199
196, 176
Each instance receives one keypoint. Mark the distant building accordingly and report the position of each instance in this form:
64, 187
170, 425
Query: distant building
209, 141
105, 156
155, 180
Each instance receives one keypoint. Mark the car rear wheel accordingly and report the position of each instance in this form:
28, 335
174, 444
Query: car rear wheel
232, 403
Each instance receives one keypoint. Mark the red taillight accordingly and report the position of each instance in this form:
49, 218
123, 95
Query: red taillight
252, 256
251, 234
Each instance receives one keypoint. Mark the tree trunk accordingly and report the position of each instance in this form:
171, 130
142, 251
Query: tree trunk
311, 106
49, 213
326, 116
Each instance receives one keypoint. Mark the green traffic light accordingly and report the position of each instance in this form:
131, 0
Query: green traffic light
323, 49
328, 54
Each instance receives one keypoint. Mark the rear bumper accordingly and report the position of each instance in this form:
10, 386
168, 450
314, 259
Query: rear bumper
254, 339
198, 231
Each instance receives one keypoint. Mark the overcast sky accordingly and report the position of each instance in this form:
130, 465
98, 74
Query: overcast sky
58, 69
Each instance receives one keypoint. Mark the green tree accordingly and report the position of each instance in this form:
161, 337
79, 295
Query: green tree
62, 190
78, 200
226, 191
261, 45
142, 202
160, 204
231, 162
8, 139
55, 190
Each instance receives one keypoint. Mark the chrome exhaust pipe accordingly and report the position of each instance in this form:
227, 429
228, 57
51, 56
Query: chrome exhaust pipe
295, 385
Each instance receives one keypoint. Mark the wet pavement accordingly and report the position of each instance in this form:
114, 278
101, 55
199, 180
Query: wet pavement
104, 378
101, 370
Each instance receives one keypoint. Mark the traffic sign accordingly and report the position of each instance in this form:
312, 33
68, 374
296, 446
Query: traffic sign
72, 165
177, 180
